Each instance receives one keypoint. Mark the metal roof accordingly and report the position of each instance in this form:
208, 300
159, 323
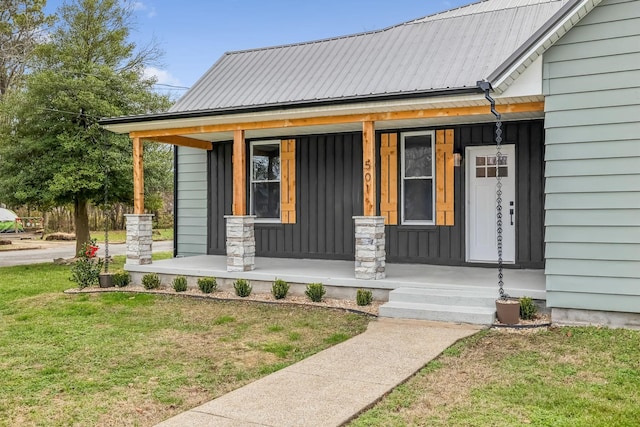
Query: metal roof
446, 51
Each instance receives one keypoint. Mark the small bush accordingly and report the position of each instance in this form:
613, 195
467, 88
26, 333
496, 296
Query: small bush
151, 281
315, 291
242, 287
121, 279
180, 284
279, 289
364, 297
528, 308
207, 284
86, 270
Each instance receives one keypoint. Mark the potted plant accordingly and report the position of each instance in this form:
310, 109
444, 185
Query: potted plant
508, 310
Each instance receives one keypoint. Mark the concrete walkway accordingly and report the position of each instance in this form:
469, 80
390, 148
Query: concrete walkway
331, 387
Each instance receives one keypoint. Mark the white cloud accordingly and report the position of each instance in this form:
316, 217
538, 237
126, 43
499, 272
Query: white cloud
139, 6
162, 76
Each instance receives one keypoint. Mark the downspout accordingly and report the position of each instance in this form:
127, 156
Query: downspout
486, 88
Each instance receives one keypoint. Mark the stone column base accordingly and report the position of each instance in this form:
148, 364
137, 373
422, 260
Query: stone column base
370, 247
241, 243
139, 238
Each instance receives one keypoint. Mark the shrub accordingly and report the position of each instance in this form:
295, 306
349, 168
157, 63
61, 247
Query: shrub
315, 291
86, 270
151, 281
279, 289
242, 287
180, 284
364, 297
528, 308
207, 284
121, 279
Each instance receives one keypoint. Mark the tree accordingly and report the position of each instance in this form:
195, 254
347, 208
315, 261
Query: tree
54, 151
22, 24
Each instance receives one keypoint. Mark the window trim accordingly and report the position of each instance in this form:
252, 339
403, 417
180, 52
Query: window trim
403, 136
273, 220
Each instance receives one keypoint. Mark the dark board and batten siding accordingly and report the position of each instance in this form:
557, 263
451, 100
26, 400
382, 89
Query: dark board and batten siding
446, 245
220, 195
329, 194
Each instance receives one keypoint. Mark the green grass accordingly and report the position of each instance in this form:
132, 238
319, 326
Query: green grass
561, 377
120, 236
136, 359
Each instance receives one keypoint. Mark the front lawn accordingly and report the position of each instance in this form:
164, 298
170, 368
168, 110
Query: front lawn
135, 359
561, 377
120, 236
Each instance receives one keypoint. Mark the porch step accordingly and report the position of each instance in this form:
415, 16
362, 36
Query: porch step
448, 297
446, 305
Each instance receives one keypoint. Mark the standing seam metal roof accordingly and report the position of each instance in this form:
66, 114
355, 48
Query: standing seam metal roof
449, 50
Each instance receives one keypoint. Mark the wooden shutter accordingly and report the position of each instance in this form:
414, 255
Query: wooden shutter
444, 177
288, 181
389, 178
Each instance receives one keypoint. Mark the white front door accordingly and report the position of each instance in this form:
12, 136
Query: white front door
481, 168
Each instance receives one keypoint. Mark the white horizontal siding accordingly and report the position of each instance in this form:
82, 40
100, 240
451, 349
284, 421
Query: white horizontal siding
595, 82
592, 150
593, 217
588, 234
594, 251
586, 184
191, 199
603, 132
593, 200
592, 285
591, 79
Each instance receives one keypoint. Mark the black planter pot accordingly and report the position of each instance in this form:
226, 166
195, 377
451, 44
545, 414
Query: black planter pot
106, 280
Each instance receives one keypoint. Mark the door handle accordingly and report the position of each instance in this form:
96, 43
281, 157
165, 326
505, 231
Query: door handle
511, 214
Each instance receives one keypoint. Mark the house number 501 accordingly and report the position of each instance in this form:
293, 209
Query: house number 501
367, 167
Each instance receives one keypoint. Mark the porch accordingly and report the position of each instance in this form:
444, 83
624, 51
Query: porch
466, 294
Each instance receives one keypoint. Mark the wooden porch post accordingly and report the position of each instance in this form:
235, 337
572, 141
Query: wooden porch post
239, 174
138, 177
370, 253
369, 168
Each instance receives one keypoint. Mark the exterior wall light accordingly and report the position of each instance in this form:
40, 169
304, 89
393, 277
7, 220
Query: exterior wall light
457, 159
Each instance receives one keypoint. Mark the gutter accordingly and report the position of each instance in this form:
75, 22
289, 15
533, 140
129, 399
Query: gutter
284, 106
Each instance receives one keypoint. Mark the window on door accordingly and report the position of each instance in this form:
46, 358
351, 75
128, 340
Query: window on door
417, 177
265, 180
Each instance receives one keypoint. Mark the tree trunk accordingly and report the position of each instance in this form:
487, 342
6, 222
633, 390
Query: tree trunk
81, 219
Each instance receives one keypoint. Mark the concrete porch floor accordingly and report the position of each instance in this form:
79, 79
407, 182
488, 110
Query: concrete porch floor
340, 274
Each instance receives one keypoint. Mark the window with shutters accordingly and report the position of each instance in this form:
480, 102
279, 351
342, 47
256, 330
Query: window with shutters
265, 180
417, 173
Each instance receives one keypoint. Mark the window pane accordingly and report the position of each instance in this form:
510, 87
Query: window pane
417, 156
266, 199
266, 162
418, 200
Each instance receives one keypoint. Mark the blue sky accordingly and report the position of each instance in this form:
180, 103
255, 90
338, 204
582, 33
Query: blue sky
194, 33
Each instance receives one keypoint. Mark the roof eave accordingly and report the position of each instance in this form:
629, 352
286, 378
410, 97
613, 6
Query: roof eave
107, 121
539, 42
